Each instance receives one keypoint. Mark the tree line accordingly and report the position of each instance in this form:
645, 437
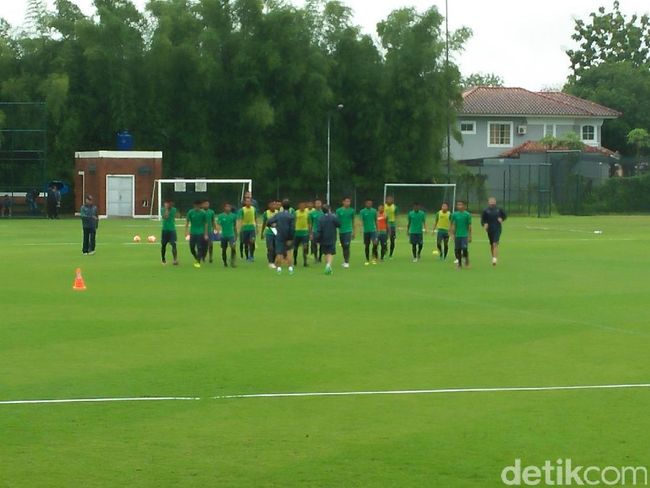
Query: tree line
611, 66
241, 88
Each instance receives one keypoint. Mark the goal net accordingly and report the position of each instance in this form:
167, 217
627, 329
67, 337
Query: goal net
184, 192
430, 196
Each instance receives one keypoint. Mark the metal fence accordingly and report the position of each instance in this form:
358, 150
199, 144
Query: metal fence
520, 188
539, 184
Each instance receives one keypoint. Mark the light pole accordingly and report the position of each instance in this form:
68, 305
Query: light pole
329, 149
447, 87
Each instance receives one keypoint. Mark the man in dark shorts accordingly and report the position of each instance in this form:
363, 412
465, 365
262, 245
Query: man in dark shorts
326, 237
391, 216
283, 224
267, 234
248, 228
210, 216
53, 202
227, 225
492, 221
168, 215
196, 227
346, 214
461, 230
89, 221
368, 217
416, 230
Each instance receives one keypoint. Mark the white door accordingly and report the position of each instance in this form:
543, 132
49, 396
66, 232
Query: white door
119, 196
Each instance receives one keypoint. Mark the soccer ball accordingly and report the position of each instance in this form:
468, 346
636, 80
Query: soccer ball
151, 239
137, 239
436, 252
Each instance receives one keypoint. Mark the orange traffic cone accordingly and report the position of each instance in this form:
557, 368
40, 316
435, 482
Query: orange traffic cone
79, 284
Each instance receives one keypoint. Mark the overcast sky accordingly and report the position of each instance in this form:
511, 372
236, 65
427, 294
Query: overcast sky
522, 41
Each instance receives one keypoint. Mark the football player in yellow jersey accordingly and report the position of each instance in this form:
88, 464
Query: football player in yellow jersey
391, 216
267, 233
248, 225
301, 240
441, 227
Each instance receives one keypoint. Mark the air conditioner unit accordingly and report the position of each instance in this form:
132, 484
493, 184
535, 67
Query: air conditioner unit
522, 130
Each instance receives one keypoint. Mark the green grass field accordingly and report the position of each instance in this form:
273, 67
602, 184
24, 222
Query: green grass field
565, 307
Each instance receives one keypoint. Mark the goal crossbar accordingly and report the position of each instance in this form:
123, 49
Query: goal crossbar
420, 185
157, 188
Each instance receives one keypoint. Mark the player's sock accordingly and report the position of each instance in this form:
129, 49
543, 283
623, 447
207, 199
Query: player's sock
367, 247
374, 251
305, 256
414, 249
440, 248
466, 256
420, 246
163, 252
446, 249
252, 250
346, 253
295, 254
233, 256
392, 246
459, 257
241, 249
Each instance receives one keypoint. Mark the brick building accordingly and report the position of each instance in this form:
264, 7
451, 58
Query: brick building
121, 182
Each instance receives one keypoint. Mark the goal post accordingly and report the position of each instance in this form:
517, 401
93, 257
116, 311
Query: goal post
180, 185
449, 188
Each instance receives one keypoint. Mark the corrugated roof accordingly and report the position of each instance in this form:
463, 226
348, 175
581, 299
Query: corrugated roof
522, 102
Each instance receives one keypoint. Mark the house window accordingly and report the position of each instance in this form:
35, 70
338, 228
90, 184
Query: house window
549, 130
500, 134
468, 127
589, 133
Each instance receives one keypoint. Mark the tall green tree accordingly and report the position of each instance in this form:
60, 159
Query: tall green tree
611, 66
610, 37
418, 90
241, 88
640, 139
482, 79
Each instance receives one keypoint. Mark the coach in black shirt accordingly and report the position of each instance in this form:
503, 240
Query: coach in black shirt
492, 221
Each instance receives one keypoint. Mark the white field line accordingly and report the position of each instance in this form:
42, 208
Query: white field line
99, 400
333, 394
437, 391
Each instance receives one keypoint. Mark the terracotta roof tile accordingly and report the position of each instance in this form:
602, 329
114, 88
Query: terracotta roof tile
522, 102
537, 147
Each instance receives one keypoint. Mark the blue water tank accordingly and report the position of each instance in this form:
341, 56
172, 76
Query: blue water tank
124, 141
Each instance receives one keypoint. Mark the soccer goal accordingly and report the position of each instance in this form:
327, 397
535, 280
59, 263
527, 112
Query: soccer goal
184, 192
429, 195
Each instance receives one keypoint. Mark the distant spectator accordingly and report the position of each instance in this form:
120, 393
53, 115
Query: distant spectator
32, 201
7, 204
89, 222
53, 202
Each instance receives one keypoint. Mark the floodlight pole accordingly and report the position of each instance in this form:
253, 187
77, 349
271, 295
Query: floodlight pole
448, 101
329, 151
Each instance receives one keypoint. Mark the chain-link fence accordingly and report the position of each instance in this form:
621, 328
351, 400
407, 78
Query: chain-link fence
521, 188
539, 184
